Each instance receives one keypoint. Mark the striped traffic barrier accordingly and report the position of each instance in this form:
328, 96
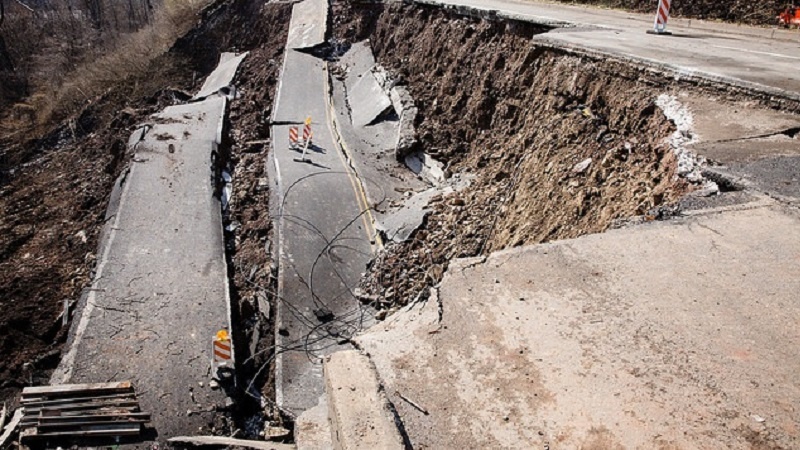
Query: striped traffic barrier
222, 350
293, 138
662, 16
307, 134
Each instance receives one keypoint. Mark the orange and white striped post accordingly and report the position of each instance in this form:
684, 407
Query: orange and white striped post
293, 138
662, 16
222, 350
307, 134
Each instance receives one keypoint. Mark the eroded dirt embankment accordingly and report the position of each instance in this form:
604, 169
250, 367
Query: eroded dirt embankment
522, 119
249, 229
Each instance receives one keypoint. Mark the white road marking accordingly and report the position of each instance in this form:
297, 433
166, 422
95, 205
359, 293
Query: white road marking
777, 55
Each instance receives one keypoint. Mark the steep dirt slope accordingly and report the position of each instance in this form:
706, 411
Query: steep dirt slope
521, 119
560, 143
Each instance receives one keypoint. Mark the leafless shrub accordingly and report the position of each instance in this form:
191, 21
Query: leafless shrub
73, 51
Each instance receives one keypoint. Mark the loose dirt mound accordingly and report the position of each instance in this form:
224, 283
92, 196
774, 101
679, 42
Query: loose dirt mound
560, 145
755, 13
249, 225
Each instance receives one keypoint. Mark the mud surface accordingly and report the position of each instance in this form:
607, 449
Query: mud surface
560, 145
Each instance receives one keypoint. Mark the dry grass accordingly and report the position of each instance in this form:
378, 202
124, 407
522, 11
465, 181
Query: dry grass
62, 95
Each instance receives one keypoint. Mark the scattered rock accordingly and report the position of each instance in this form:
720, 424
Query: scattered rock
582, 166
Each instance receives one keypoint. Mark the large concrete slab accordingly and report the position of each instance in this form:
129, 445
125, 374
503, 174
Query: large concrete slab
366, 97
160, 292
755, 58
222, 77
324, 231
308, 27
674, 335
359, 413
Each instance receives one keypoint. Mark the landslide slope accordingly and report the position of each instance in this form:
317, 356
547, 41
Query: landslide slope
560, 144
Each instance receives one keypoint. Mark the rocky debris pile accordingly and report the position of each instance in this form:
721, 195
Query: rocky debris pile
404, 272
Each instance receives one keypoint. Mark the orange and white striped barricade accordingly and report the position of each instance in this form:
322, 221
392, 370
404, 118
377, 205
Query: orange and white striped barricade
307, 134
222, 351
662, 16
293, 138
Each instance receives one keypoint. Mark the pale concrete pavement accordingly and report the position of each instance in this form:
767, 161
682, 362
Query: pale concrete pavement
672, 335
161, 290
720, 52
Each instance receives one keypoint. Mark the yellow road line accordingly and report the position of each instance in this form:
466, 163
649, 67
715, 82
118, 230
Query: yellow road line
355, 181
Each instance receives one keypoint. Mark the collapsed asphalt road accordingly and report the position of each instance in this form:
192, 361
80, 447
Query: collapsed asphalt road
324, 228
161, 289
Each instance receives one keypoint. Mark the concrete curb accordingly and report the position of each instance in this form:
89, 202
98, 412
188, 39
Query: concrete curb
359, 412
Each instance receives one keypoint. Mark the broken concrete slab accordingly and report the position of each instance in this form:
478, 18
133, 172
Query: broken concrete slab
398, 225
308, 26
221, 78
163, 255
426, 167
360, 415
312, 429
366, 96
404, 105
629, 339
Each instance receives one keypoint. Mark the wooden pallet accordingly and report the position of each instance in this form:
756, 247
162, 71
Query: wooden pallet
81, 410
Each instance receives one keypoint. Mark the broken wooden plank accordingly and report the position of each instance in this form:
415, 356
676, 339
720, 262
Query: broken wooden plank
47, 427
39, 401
199, 441
77, 389
9, 429
123, 404
96, 417
88, 431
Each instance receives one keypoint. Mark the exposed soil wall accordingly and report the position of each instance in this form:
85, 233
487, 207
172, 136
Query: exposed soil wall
249, 227
756, 13
521, 119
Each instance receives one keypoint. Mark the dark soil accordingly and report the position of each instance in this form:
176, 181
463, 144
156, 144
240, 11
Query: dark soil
250, 239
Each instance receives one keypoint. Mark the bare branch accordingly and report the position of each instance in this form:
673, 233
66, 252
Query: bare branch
24, 5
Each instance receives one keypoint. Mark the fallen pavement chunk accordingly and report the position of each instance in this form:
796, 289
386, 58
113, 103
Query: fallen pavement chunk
221, 78
582, 166
358, 410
